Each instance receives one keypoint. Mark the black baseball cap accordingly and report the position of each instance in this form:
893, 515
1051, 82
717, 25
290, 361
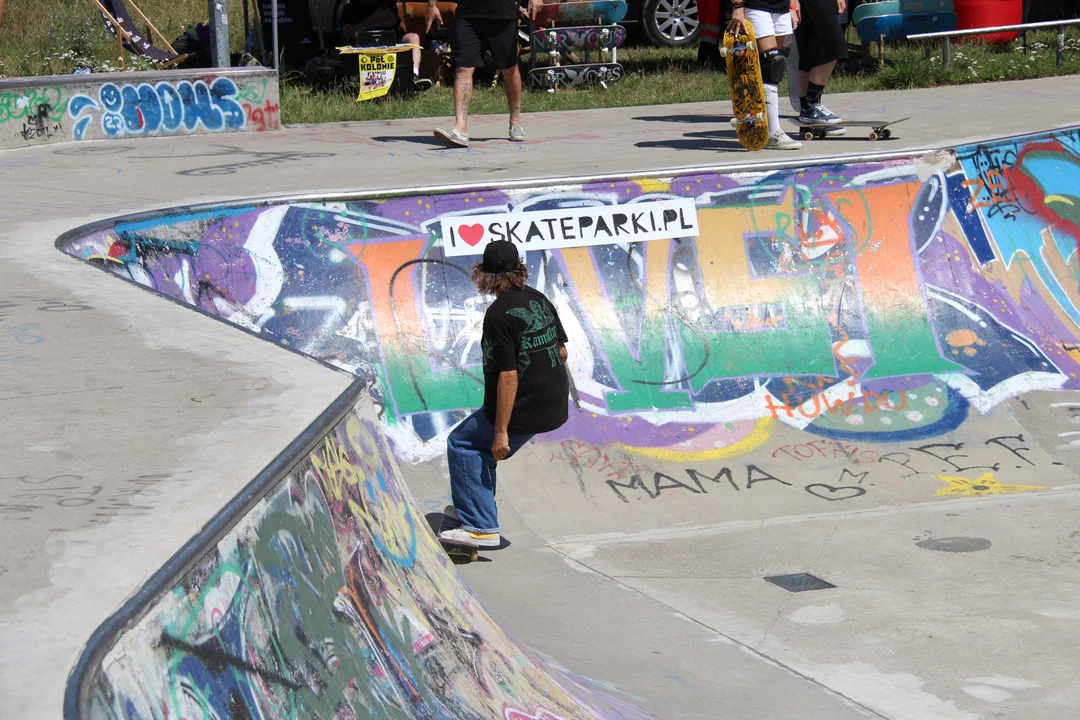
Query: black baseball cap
500, 256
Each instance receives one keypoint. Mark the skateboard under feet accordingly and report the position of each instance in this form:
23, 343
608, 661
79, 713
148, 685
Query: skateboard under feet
879, 129
461, 550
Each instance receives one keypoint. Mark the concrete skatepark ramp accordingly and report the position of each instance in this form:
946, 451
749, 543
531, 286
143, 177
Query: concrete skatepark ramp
832, 336
329, 598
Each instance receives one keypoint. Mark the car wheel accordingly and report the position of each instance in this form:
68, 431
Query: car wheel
671, 23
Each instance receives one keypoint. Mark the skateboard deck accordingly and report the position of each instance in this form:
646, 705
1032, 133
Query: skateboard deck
599, 12
878, 128
579, 38
747, 92
548, 78
460, 550
900, 26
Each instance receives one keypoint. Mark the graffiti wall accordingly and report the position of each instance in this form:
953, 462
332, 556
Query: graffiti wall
863, 303
125, 105
332, 598
824, 333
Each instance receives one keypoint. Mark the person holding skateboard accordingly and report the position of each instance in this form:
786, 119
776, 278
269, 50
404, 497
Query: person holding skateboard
773, 22
821, 43
483, 26
526, 391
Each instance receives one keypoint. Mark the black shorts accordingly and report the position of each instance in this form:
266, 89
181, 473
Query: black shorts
471, 37
819, 36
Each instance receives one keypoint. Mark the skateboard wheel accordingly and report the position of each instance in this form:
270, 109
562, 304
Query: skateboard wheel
760, 117
808, 135
873, 136
886, 134
750, 45
723, 52
735, 123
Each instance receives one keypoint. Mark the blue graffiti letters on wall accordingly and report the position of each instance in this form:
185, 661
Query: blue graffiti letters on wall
162, 109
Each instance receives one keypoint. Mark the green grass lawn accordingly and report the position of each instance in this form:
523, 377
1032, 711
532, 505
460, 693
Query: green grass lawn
656, 76
53, 37
43, 37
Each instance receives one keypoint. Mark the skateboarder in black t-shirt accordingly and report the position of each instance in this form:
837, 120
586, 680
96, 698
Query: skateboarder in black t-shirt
526, 391
479, 26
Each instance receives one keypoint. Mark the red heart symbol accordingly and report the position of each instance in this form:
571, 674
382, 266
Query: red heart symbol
471, 233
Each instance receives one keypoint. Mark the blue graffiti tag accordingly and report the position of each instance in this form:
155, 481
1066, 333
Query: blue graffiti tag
167, 108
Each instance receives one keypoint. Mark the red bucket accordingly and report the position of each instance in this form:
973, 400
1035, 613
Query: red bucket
973, 14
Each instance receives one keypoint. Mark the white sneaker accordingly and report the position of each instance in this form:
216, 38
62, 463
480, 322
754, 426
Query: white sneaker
780, 140
461, 536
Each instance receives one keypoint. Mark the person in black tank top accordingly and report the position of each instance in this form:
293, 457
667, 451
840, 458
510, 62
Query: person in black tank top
526, 391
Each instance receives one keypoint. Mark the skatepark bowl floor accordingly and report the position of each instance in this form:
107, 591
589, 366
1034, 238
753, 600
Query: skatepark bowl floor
821, 459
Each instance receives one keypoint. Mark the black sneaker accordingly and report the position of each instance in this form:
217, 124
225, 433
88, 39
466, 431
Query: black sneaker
818, 114
421, 83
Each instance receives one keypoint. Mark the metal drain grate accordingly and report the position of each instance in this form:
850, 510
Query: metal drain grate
799, 582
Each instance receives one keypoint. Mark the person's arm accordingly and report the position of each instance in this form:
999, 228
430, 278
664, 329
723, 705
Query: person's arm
508, 385
433, 14
738, 17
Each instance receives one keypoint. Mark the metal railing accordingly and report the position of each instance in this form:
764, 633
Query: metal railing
946, 49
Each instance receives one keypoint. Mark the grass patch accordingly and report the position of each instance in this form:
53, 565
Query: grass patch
652, 76
54, 37
656, 76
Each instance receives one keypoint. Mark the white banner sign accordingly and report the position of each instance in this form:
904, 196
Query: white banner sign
572, 226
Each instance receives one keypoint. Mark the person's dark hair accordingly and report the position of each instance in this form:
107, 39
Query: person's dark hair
497, 283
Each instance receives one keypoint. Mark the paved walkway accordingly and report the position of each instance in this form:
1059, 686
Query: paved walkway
128, 421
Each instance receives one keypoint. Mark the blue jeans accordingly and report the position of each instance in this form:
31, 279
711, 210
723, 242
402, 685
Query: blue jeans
472, 471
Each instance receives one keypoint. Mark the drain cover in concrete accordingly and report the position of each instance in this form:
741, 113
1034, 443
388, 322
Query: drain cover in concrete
955, 544
799, 582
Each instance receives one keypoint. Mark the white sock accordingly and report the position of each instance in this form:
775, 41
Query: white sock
772, 108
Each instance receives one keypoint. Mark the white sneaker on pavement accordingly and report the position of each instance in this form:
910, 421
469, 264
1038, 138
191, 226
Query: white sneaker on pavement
780, 140
461, 536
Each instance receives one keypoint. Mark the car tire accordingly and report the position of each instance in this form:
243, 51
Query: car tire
671, 23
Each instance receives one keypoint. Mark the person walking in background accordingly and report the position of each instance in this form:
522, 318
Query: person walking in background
526, 391
773, 22
483, 26
821, 43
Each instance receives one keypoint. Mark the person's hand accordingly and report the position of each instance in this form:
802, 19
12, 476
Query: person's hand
501, 447
433, 14
534, 8
738, 20
841, 6
796, 14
